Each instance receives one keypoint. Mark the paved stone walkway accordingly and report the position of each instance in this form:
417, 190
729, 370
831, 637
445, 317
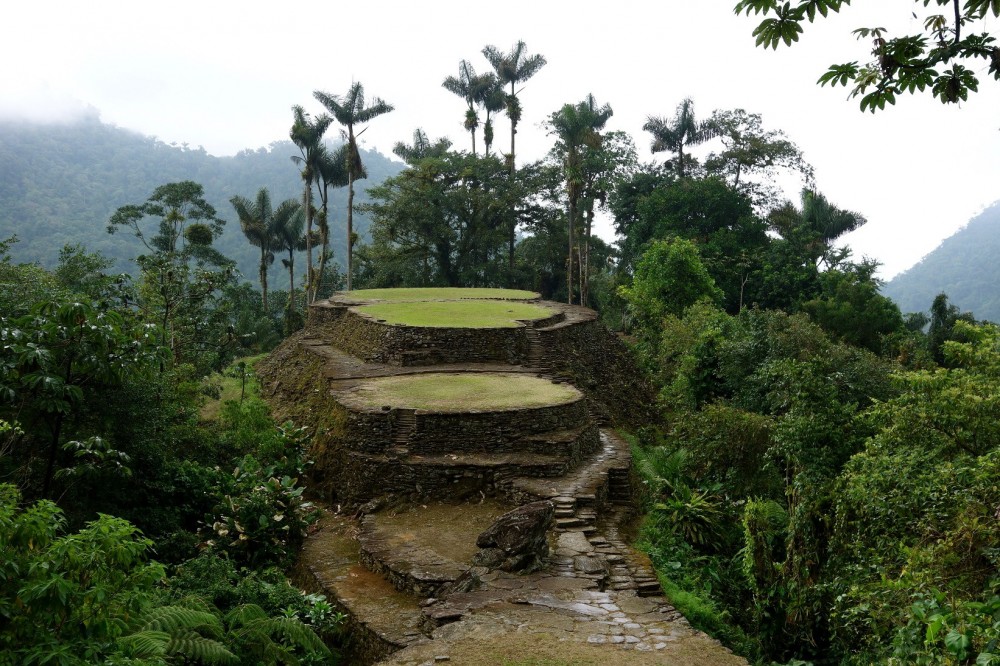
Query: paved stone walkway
595, 595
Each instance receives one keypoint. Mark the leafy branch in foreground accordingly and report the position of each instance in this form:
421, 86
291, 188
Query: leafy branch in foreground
941, 59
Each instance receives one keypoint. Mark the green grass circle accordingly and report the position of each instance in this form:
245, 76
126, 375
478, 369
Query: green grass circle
435, 293
462, 392
456, 314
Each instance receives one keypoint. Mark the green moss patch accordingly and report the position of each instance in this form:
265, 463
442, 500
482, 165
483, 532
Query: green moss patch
432, 293
456, 314
443, 392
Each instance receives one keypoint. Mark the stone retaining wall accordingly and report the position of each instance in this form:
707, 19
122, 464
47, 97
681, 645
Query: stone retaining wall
492, 432
365, 476
378, 342
600, 365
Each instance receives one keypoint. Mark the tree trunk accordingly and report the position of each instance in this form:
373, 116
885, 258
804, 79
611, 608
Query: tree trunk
291, 281
350, 228
585, 260
263, 279
352, 147
513, 218
307, 203
53, 450
569, 255
325, 240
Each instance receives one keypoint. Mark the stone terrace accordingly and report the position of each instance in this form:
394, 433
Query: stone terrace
416, 487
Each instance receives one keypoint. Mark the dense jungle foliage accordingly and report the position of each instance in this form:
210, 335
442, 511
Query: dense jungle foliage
822, 486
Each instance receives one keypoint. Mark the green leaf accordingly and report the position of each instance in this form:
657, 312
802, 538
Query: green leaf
958, 643
839, 74
979, 8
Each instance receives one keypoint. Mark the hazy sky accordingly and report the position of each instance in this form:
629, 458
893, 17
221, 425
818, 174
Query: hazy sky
224, 75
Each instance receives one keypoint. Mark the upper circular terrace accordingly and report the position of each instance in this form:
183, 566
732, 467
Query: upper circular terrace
447, 307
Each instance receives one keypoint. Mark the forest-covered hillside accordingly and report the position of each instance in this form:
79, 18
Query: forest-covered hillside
964, 266
59, 184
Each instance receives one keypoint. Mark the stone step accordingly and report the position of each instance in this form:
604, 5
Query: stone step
571, 523
408, 567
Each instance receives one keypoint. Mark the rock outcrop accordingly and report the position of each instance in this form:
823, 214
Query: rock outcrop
517, 541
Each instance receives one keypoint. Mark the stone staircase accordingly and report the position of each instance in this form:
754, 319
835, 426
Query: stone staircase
405, 424
537, 357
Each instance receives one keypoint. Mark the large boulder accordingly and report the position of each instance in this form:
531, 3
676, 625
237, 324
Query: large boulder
517, 540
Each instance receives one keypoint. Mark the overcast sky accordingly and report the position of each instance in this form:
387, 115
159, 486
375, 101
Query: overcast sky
224, 75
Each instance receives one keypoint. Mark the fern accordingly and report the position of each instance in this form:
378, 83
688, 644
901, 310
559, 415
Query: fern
173, 619
298, 634
273, 639
145, 644
245, 614
192, 646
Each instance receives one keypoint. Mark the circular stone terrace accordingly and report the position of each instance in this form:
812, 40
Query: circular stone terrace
458, 392
447, 307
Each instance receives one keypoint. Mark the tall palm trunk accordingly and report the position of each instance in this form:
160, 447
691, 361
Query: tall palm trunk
324, 237
263, 281
291, 280
307, 205
569, 254
585, 259
352, 148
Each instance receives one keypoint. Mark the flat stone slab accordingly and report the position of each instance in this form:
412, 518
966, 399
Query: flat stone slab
380, 619
574, 542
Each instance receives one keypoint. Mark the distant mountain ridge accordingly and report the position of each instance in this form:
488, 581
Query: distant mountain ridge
965, 266
60, 184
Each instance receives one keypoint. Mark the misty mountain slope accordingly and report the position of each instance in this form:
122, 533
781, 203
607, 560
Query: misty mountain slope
60, 184
966, 266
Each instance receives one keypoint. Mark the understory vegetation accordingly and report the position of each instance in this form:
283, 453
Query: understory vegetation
809, 500
142, 519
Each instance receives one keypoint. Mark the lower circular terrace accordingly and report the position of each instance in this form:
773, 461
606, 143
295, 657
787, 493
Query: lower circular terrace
458, 392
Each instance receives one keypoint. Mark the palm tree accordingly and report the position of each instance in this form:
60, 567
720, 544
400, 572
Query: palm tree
493, 101
592, 168
815, 227
289, 222
257, 222
308, 136
331, 171
513, 67
473, 89
421, 148
675, 133
350, 110
577, 126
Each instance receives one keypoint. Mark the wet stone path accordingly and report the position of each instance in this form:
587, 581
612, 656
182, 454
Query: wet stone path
413, 598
